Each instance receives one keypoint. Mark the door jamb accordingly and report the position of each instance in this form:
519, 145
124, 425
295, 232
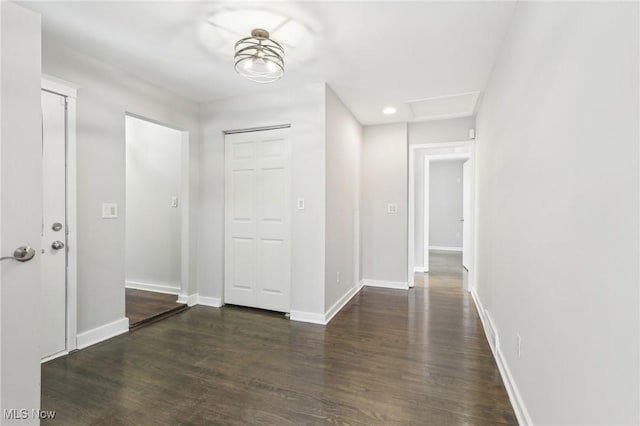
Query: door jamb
69, 91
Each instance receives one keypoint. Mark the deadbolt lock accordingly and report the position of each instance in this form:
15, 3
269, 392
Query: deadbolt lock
56, 226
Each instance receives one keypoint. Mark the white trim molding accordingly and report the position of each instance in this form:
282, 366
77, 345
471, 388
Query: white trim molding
154, 287
54, 356
196, 299
324, 319
214, 302
491, 333
337, 307
59, 86
310, 317
190, 300
420, 269
102, 333
399, 285
445, 248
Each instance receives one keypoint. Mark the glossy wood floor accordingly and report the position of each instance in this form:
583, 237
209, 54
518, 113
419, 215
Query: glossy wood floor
144, 306
389, 357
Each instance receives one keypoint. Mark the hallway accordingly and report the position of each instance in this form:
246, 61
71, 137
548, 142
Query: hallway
389, 357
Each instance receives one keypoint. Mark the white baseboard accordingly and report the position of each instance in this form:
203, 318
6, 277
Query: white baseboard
190, 300
102, 333
445, 248
519, 407
522, 414
401, 285
337, 307
311, 317
209, 301
155, 287
419, 269
54, 356
196, 299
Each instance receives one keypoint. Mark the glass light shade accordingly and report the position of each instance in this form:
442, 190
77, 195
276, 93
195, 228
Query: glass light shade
258, 58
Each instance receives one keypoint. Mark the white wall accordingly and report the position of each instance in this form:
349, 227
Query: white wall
451, 130
304, 109
153, 229
429, 132
559, 210
105, 95
445, 204
343, 152
21, 210
383, 182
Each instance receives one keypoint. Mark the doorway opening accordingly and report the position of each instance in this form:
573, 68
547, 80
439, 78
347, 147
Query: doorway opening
441, 208
154, 220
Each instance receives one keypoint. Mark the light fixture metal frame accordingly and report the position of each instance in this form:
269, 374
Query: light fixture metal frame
249, 48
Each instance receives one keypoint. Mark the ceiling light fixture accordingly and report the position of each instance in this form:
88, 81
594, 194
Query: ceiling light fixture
259, 58
389, 110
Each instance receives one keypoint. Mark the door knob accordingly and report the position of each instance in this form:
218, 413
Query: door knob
57, 245
21, 254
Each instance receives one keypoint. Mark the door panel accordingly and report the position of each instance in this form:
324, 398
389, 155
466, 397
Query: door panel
258, 210
243, 207
242, 254
271, 195
54, 261
272, 266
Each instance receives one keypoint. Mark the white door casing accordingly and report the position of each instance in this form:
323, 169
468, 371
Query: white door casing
439, 151
466, 214
426, 214
258, 219
54, 260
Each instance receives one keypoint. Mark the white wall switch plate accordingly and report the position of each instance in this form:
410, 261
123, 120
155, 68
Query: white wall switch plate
392, 208
300, 203
174, 201
109, 210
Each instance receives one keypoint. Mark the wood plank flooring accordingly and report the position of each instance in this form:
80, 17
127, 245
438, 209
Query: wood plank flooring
390, 357
143, 306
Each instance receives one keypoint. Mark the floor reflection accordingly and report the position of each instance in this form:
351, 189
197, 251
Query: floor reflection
415, 356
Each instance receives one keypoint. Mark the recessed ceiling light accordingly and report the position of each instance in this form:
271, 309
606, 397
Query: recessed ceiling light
389, 110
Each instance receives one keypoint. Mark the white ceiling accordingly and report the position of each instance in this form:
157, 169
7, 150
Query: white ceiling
373, 54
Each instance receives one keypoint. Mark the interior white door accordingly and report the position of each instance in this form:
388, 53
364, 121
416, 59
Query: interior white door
258, 219
54, 250
466, 214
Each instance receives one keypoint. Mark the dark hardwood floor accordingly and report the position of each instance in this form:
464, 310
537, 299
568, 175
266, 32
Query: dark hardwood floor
390, 357
146, 306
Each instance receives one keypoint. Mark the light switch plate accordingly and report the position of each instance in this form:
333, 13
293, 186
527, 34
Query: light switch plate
392, 208
300, 203
174, 201
109, 210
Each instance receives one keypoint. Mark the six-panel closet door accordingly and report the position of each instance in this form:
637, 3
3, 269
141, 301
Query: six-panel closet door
257, 269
